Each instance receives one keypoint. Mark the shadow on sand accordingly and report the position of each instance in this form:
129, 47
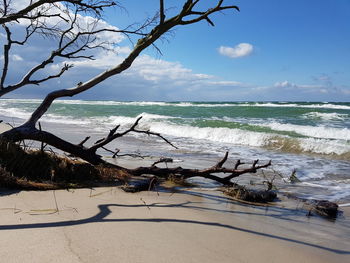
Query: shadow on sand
105, 211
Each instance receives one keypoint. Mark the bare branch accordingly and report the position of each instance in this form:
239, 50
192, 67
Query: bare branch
113, 135
84, 141
161, 12
209, 173
7, 48
94, 6
203, 15
63, 69
163, 160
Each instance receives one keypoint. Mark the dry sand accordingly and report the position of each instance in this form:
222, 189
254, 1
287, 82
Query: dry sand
4, 127
108, 225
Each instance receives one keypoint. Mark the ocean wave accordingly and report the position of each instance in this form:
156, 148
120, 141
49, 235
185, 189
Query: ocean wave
203, 104
14, 113
312, 131
336, 190
52, 118
111, 103
254, 139
325, 116
219, 135
310, 145
296, 105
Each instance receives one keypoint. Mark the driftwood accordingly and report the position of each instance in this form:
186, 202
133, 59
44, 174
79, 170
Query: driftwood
323, 207
134, 185
250, 195
39, 162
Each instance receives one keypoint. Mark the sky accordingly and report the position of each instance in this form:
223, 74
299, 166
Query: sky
272, 50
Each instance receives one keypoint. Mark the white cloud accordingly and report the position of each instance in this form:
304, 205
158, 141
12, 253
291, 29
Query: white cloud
226, 83
283, 84
240, 50
289, 85
83, 22
16, 58
13, 57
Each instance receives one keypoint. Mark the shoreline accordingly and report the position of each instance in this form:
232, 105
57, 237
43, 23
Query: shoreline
108, 225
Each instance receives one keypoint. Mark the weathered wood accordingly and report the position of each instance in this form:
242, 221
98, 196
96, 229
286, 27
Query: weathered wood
324, 208
250, 195
140, 184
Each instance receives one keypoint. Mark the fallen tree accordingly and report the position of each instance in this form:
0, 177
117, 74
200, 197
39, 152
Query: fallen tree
73, 39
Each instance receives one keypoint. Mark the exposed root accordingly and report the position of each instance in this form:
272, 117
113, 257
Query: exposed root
42, 170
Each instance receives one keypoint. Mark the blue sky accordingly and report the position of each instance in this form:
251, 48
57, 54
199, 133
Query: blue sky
272, 50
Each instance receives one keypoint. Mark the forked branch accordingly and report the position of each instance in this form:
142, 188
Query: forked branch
209, 173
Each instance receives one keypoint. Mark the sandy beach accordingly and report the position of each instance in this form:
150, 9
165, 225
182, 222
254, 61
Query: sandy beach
109, 225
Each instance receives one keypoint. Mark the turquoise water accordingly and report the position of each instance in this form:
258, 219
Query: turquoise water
313, 138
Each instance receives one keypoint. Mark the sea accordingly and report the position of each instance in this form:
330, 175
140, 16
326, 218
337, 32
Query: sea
309, 139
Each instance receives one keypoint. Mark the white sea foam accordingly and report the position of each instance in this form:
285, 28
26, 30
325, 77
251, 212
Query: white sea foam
294, 105
123, 120
53, 118
149, 116
20, 100
111, 103
325, 116
219, 135
312, 131
336, 190
322, 146
14, 113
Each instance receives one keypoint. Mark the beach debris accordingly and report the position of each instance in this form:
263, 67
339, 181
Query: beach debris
135, 185
324, 208
250, 195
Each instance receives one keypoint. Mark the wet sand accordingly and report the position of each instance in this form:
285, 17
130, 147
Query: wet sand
109, 225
